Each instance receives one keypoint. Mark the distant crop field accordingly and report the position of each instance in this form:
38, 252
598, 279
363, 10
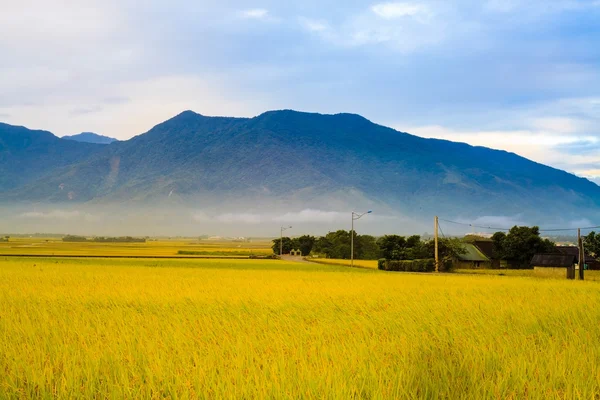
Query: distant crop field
371, 264
151, 248
106, 328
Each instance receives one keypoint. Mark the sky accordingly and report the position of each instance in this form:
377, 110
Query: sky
517, 75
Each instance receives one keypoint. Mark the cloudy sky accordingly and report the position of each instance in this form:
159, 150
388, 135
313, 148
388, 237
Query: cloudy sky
520, 75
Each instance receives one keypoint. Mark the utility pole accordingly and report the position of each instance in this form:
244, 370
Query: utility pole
581, 254
435, 238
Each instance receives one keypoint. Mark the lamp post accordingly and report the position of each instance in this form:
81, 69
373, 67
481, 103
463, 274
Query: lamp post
283, 228
355, 216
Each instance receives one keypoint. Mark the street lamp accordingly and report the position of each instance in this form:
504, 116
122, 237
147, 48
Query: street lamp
355, 216
283, 228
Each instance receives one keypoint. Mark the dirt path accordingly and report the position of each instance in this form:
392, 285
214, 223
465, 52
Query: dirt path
298, 259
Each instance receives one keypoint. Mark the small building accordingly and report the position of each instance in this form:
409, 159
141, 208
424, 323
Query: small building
296, 253
473, 258
487, 248
591, 262
553, 264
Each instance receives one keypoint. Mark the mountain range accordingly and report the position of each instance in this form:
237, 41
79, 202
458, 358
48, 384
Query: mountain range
90, 137
288, 159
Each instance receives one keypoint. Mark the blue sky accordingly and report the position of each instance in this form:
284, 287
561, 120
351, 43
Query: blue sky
517, 75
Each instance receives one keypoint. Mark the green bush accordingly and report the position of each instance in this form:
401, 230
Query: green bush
423, 265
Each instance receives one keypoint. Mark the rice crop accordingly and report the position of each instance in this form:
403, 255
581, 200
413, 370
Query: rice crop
100, 328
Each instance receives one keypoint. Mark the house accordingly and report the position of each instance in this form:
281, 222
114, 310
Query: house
591, 262
554, 264
473, 258
487, 248
485, 245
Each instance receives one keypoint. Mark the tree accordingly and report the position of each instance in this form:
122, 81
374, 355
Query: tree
394, 247
304, 243
592, 244
287, 245
520, 245
365, 248
448, 249
322, 246
498, 248
391, 246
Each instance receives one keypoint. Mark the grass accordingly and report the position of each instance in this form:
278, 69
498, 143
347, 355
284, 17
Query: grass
546, 273
99, 328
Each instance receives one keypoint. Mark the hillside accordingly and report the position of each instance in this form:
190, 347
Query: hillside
27, 155
302, 158
90, 137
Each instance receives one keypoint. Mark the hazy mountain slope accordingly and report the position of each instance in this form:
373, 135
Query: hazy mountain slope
26, 155
90, 137
287, 154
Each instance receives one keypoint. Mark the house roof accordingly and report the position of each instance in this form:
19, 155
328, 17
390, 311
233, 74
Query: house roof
574, 251
486, 247
472, 253
553, 260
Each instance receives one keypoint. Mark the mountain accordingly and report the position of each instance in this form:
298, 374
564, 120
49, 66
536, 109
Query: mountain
299, 159
28, 155
89, 137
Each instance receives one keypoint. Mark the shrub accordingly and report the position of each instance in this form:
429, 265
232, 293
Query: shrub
423, 265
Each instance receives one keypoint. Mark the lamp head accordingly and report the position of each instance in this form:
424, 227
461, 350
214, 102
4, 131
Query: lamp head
369, 212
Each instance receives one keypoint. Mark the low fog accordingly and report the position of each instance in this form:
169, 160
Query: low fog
248, 221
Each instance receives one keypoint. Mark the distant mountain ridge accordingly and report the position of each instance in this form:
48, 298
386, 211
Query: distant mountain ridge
90, 137
296, 158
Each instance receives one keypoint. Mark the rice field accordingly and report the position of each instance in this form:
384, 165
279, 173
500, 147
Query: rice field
370, 264
147, 328
151, 248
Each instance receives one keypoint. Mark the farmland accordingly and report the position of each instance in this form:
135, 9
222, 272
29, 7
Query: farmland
180, 328
151, 248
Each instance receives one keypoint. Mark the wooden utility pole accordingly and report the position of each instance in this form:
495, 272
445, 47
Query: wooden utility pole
581, 254
435, 238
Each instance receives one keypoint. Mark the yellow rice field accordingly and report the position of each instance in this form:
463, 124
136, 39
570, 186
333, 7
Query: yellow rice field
143, 328
370, 264
151, 248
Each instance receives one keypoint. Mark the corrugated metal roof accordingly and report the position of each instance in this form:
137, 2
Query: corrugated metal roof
472, 254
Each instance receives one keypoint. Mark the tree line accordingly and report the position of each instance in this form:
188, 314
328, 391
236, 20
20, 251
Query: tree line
517, 246
366, 247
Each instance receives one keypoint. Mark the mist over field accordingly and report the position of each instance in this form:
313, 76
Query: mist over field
258, 220
189, 221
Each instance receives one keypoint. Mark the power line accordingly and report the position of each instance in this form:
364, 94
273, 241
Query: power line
508, 229
474, 226
440, 228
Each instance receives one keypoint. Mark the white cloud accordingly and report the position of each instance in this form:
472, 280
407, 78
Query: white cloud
538, 7
312, 25
379, 25
398, 10
558, 124
256, 13
310, 215
537, 145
